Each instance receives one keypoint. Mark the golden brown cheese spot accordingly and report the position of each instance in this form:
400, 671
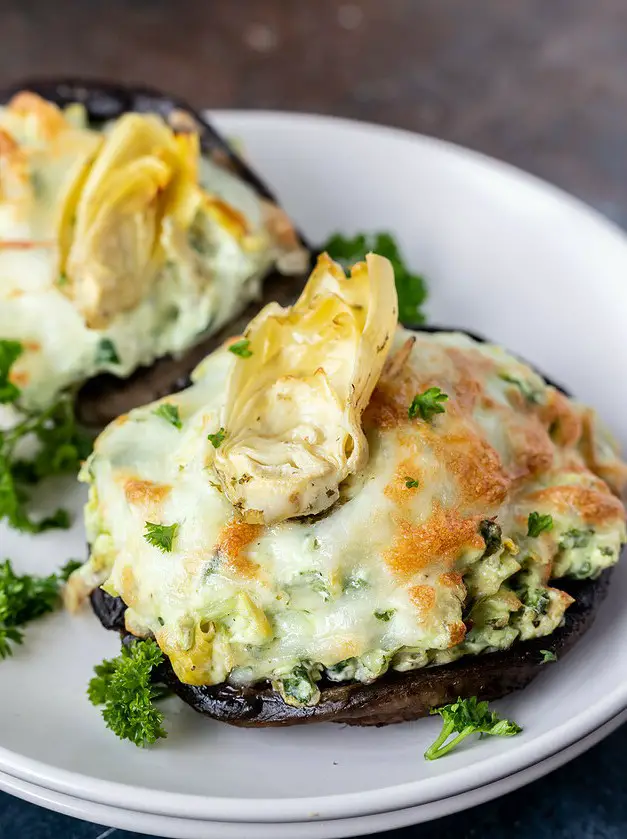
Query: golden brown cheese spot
49, 116
128, 586
391, 398
279, 226
227, 217
566, 599
614, 471
442, 538
561, 419
121, 420
15, 180
8, 144
531, 449
233, 540
20, 378
451, 580
145, 494
471, 370
397, 490
457, 633
595, 506
476, 466
423, 598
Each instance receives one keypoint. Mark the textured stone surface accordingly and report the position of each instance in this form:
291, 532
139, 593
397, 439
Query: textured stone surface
539, 83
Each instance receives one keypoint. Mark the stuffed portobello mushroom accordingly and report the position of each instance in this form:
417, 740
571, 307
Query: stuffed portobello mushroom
129, 233
342, 519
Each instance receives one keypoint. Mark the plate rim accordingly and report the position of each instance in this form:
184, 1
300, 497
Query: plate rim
382, 799
389, 820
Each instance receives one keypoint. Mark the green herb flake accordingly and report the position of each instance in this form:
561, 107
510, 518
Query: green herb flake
62, 280
24, 598
530, 393
410, 288
106, 353
170, 413
410, 483
217, 438
537, 600
61, 448
547, 655
537, 524
466, 717
426, 405
241, 348
10, 351
384, 615
161, 535
298, 688
126, 689
356, 584
575, 539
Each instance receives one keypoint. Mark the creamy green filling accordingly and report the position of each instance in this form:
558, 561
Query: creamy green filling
204, 282
324, 603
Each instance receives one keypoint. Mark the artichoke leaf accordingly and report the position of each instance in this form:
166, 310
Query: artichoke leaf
142, 174
293, 409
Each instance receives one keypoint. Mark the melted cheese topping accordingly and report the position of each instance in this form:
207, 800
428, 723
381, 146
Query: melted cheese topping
120, 246
392, 575
294, 402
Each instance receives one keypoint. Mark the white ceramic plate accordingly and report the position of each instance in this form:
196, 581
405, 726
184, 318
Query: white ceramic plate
505, 255
180, 828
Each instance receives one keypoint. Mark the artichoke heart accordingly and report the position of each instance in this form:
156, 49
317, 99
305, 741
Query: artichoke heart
293, 408
111, 246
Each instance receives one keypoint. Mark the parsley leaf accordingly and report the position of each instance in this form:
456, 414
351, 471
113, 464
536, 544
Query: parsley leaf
10, 351
547, 655
106, 353
217, 438
241, 348
466, 717
537, 524
60, 448
427, 404
384, 614
161, 535
126, 690
410, 288
532, 396
170, 413
410, 483
23, 598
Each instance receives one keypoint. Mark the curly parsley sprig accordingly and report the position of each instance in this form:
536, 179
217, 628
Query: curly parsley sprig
125, 688
60, 446
410, 288
24, 598
466, 717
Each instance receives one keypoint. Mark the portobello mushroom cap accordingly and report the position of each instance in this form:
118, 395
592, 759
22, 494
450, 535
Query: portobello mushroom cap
105, 397
395, 697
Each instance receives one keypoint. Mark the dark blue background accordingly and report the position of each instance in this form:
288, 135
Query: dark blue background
584, 800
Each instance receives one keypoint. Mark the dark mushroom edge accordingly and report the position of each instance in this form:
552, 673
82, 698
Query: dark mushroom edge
395, 697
